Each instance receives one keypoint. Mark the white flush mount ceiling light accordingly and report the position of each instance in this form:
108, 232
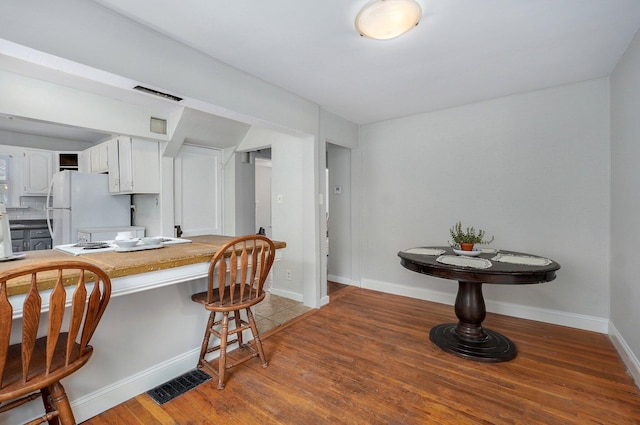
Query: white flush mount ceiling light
386, 19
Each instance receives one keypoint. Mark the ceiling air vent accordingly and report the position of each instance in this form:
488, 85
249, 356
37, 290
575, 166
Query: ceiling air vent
158, 125
158, 93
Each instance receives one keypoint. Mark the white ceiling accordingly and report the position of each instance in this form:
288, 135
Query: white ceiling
463, 50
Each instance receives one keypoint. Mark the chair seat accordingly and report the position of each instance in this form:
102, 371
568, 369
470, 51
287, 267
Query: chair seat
225, 305
12, 384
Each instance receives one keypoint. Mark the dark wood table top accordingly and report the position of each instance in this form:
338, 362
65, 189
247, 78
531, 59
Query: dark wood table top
498, 273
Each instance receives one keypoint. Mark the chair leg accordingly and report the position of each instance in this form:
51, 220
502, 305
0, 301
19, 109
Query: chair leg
222, 360
207, 337
236, 315
48, 406
256, 338
60, 401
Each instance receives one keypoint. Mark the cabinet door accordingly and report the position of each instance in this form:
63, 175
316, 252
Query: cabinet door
134, 166
37, 170
84, 161
17, 245
39, 244
125, 164
99, 158
145, 166
17, 240
114, 166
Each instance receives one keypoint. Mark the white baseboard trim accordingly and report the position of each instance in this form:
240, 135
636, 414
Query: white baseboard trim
408, 291
627, 356
343, 280
97, 402
556, 317
287, 294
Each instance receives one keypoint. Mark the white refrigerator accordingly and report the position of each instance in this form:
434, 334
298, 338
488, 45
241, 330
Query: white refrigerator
81, 200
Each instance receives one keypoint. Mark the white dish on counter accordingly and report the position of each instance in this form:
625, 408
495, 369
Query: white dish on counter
157, 240
126, 243
141, 247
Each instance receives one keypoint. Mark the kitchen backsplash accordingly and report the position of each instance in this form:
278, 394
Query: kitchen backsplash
31, 208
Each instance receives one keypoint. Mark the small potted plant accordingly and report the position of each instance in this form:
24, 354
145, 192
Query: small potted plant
465, 239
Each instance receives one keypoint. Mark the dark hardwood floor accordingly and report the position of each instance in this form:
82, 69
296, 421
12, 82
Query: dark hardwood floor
334, 287
366, 358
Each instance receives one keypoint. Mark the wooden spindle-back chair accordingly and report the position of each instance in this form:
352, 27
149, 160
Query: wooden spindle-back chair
237, 273
48, 352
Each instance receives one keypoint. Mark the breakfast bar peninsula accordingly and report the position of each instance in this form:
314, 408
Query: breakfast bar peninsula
151, 331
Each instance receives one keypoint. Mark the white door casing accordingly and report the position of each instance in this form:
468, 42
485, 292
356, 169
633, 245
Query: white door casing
198, 191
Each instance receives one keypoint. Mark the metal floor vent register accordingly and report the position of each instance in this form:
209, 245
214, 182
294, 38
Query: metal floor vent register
177, 386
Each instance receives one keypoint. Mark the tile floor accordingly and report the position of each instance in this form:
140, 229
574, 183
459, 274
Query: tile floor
273, 311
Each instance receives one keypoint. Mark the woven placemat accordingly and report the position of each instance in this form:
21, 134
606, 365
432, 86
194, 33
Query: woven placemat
424, 251
461, 261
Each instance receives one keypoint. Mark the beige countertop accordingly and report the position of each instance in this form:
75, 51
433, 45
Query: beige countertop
120, 264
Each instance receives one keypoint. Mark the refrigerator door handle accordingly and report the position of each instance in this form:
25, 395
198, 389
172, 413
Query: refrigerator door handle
47, 208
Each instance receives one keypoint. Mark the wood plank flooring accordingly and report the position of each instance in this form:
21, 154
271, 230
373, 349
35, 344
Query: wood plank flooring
366, 358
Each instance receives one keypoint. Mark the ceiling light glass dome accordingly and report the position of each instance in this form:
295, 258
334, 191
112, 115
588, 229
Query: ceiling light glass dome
386, 19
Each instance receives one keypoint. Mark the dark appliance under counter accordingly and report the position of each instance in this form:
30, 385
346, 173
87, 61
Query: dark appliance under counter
30, 235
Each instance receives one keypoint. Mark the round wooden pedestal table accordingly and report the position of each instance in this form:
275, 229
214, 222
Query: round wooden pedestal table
468, 338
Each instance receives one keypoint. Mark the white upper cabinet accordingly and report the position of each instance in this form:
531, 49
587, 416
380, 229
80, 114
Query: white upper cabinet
114, 170
84, 161
99, 158
37, 170
134, 166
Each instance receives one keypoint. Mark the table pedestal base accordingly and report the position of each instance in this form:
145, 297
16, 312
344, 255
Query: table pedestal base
492, 348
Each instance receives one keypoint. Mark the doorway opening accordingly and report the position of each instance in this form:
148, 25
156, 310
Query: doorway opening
339, 215
263, 192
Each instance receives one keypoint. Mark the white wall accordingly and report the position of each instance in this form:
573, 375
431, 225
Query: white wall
531, 169
625, 202
289, 180
41, 100
338, 131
